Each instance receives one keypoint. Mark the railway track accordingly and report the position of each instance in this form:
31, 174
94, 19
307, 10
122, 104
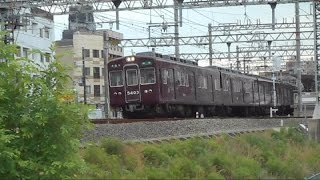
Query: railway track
124, 121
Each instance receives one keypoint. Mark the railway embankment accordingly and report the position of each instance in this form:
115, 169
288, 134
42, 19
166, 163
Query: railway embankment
145, 131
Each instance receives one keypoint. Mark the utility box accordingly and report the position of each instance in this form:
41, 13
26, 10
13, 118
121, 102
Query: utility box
96, 114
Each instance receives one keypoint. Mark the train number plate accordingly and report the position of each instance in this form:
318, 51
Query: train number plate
132, 92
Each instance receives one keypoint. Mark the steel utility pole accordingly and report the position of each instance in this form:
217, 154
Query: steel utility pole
316, 20
210, 44
105, 74
84, 77
176, 30
238, 61
298, 56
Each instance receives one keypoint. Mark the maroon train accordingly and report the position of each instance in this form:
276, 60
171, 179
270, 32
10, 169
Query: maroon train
150, 84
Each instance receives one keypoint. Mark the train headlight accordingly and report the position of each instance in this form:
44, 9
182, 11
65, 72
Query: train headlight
130, 59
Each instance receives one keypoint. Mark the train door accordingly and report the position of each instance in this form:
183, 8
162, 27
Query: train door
132, 85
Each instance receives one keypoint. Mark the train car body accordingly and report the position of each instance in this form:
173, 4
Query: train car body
150, 84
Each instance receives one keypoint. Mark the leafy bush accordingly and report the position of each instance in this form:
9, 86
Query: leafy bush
43, 128
112, 146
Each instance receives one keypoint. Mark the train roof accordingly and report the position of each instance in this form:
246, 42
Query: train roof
167, 57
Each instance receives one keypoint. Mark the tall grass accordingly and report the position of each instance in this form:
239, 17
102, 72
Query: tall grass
280, 155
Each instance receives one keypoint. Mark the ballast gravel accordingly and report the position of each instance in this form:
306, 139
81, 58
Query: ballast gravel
141, 131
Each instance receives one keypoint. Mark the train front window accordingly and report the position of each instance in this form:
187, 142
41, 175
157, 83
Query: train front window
132, 77
116, 78
147, 76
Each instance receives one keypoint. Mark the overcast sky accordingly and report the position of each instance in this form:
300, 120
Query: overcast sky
133, 24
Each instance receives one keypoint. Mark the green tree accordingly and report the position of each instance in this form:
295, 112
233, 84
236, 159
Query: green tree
39, 132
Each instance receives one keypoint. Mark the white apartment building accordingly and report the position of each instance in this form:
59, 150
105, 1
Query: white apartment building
93, 44
36, 33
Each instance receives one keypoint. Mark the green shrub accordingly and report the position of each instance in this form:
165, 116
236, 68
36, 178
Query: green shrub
223, 162
157, 173
95, 155
112, 146
183, 168
170, 150
276, 167
153, 156
215, 175
246, 169
296, 136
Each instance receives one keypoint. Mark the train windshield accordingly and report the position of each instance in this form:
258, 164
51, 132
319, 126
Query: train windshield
147, 76
116, 78
132, 77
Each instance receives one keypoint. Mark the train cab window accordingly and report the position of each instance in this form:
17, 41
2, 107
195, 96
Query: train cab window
132, 77
147, 76
116, 78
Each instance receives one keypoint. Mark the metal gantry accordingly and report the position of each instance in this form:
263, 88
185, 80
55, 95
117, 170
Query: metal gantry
230, 27
286, 52
59, 7
246, 37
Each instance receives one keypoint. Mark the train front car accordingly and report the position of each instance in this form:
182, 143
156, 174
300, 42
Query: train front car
133, 88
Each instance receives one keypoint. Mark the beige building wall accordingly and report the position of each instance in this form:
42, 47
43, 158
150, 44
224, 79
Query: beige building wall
93, 44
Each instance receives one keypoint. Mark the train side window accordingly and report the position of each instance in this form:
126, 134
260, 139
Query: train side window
165, 75
217, 84
226, 85
203, 82
116, 78
237, 86
261, 89
170, 76
178, 79
147, 76
187, 80
132, 77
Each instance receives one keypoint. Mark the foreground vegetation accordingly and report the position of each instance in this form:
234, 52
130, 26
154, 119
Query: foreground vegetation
40, 129
285, 154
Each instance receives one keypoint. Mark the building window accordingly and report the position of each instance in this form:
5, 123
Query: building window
25, 52
88, 89
46, 32
96, 72
96, 90
86, 52
41, 32
48, 57
42, 58
95, 53
87, 71
33, 28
